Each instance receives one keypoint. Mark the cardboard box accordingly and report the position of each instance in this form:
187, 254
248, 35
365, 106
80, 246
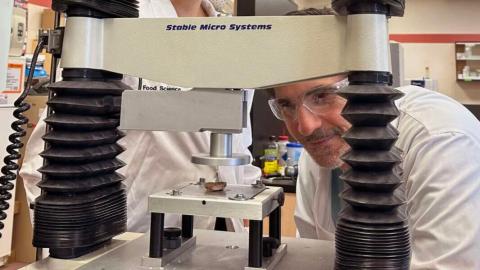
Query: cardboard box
48, 19
47, 65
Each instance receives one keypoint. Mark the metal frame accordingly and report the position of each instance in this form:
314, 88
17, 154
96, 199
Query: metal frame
214, 250
199, 110
215, 205
316, 46
257, 203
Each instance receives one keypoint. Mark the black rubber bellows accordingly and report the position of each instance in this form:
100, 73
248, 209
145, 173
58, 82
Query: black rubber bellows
83, 202
98, 8
387, 7
372, 230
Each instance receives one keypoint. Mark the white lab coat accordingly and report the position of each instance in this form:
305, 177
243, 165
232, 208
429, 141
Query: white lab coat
440, 140
155, 160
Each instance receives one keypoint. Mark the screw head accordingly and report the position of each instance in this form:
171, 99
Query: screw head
240, 196
258, 184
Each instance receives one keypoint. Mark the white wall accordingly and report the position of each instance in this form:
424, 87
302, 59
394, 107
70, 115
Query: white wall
5, 17
439, 17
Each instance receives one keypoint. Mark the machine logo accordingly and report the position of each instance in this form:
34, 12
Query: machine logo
218, 27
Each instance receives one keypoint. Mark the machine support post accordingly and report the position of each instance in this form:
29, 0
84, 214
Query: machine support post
156, 235
187, 226
275, 224
255, 243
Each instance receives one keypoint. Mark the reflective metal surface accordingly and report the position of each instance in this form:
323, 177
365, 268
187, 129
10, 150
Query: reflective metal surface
234, 160
220, 144
194, 199
213, 252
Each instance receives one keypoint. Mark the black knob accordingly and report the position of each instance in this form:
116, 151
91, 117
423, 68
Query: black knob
269, 244
172, 232
281, 198
172, 238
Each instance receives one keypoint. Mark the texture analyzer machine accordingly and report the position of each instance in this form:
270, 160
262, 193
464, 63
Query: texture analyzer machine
81, 215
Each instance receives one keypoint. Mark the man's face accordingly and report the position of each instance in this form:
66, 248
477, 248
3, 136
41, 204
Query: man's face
318, 125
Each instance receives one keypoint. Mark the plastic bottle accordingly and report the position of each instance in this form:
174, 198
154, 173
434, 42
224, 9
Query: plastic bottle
293, 151
271, 149
468, 51
427, 73
466, 72
270, 166
282, 153
270, 162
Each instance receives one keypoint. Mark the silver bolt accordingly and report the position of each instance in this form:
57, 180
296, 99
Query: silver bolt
240, 196
258, 184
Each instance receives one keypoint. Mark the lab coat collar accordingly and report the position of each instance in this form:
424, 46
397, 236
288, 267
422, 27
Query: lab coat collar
165, 9
209, 9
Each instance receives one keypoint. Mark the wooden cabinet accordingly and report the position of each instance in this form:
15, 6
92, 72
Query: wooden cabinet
467, 59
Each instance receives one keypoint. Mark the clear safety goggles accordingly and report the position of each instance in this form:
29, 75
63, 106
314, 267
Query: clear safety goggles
318, 101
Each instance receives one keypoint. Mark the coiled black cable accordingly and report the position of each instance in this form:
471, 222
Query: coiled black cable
10, 169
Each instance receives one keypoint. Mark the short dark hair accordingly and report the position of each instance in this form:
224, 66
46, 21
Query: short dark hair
271, 92
312, 11
308, 11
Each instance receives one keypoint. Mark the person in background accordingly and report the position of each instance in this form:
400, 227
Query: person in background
440, 140
158, 160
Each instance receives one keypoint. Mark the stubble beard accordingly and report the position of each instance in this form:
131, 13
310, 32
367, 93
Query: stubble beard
327, 156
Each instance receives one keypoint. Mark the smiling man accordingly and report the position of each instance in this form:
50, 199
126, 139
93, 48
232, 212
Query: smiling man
320, 136
440, 144
440, 141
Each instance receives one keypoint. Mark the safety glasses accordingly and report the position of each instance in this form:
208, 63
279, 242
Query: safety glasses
318, 101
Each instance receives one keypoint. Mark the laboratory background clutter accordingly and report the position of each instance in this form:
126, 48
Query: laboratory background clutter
438, 52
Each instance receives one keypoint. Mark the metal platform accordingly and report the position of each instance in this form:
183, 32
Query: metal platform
255, 204
214, 251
